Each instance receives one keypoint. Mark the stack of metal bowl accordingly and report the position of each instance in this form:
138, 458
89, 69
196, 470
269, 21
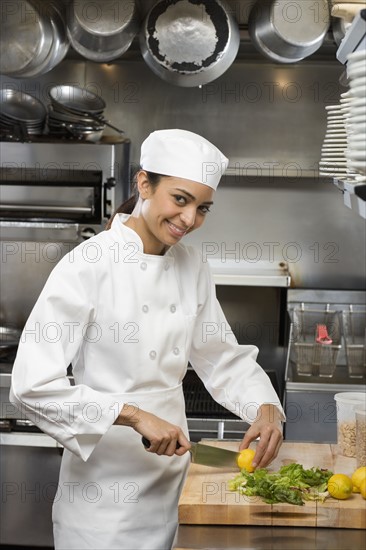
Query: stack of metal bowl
75, 113
21, 115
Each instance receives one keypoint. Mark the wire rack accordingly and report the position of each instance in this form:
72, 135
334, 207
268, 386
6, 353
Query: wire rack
354, 329
310, 357
199, 403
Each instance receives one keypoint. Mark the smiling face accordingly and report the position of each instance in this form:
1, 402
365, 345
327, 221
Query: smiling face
169, 210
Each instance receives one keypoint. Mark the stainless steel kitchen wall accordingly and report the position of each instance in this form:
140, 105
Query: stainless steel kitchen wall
270, 120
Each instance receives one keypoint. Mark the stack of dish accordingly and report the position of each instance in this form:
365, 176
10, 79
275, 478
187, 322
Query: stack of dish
75, 113
21, 115
343, 154
333, 162
73, 126
356, 131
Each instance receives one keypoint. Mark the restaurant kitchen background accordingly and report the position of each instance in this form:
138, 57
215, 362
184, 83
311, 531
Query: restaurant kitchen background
281, 237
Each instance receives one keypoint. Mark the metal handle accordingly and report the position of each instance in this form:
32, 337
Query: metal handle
113, 127
220, 429
103, 121
108, 204
48, 208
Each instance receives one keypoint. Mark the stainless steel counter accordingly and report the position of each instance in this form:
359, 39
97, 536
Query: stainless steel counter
268, 538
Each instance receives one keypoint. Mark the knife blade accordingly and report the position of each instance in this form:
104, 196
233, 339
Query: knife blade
207, 455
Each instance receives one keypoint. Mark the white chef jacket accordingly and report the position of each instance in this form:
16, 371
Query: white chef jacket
129, 323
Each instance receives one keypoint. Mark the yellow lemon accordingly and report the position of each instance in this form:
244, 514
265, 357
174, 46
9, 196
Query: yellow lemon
357, 477
363, 488
340, 486
245, 460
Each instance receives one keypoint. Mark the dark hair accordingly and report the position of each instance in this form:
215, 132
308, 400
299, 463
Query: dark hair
128, 205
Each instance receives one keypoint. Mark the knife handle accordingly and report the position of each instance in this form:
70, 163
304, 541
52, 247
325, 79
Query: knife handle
146, 443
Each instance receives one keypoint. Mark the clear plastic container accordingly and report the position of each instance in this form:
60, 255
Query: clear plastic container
354, 328
360, 412
310, 357
346, 420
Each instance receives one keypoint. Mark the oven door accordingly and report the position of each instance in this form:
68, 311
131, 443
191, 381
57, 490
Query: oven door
51, 195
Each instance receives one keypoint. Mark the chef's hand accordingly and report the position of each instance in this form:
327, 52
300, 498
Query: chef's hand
267, 426
163, 435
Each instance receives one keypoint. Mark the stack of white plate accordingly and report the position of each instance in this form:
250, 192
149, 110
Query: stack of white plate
356, 129
333, 162
343, 154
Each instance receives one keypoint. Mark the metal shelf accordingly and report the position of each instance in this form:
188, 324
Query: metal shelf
355, 38
260, 170
353, 195
261, 273
28, 440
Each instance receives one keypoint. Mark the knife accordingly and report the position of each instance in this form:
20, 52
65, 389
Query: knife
207, 455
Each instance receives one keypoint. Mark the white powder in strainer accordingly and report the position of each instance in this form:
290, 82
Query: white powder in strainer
185, 34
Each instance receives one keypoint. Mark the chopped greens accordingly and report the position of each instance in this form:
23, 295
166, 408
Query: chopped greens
292, 484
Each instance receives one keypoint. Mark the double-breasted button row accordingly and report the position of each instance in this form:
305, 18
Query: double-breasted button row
153, 353
145, 308
143, 266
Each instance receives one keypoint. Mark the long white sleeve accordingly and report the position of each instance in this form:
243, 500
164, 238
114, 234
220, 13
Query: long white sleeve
76, 416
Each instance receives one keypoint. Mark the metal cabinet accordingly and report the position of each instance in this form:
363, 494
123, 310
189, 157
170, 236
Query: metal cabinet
29, 470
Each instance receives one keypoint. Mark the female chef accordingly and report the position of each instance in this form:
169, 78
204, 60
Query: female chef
128, 309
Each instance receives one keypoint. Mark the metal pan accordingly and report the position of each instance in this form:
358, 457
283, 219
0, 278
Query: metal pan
77, 132
287, 32
68, 117
26, 37
60, 45
189, 42
102, 30
79, 101
21, 107
96, 56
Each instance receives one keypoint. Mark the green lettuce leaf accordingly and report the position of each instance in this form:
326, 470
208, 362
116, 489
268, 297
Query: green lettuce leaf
292, 484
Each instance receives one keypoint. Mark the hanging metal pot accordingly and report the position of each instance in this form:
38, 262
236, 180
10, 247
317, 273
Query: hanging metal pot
189, 42
287, 32
55, 11
26, 37
33, 39
102, 30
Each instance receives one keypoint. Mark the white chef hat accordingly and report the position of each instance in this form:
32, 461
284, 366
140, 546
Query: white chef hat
183, 154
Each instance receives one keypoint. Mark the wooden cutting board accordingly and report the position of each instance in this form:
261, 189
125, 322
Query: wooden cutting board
206, 498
